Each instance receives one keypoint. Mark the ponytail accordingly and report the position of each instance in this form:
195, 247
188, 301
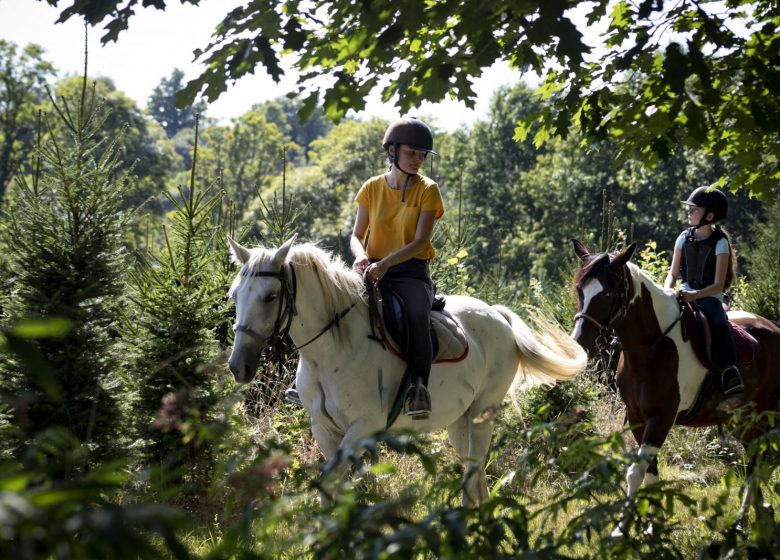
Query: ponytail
732, 267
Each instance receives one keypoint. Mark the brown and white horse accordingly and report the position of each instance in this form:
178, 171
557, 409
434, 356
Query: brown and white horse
658, 373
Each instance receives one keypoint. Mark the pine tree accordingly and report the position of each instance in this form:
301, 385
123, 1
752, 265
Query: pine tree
63, 242
178, 314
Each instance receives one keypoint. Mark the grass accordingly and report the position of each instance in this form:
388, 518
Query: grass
395, 495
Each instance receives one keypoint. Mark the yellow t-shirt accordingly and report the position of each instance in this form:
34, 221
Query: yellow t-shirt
392, 224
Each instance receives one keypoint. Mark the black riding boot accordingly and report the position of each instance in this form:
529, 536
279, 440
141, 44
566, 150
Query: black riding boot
418, 400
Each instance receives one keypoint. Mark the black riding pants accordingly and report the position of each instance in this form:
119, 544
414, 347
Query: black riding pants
723, 352
411, 281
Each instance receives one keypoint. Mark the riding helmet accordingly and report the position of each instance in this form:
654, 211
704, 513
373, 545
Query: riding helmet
410, 131
712, 200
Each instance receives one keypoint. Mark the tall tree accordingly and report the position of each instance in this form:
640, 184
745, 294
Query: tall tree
144, 144
23, 77
64, 241
284, 113
705, 73
162, 105
244, 156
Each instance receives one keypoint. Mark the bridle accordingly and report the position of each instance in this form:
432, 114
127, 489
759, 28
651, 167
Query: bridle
287, 310
618, 309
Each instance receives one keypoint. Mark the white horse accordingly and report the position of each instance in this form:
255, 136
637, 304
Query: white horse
348, 382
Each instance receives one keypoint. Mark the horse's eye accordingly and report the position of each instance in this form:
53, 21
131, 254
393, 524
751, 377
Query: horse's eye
269, 298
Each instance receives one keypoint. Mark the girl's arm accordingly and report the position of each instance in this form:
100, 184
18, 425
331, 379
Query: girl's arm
674, 269
422, 236
721, 266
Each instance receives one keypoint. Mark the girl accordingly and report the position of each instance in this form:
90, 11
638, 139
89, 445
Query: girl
391, 242
703, 258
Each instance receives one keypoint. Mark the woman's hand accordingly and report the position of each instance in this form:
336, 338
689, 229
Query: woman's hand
377, 270
360, 265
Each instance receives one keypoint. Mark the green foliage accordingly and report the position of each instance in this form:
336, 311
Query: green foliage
44, 517
162, 106
762, 293
284, 112
243, 157
144, 144
672, 74
23, 76
178, 294
64, 252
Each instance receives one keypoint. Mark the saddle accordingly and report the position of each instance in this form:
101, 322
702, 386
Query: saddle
696, 329
388, 326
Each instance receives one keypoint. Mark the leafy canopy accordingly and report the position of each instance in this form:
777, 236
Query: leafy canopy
701, 75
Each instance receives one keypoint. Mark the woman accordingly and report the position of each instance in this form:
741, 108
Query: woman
391, 242
704, 259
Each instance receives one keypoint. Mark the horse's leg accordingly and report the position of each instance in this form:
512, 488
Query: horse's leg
458, 433
475, 489
328, 442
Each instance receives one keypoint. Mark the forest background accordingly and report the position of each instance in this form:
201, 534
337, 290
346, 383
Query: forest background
115, 320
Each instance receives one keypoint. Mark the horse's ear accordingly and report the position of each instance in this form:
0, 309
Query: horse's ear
580, 250
239, 253
281, 253
624, 256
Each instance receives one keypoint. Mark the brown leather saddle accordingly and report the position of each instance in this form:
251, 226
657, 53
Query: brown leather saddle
696, 329
386, 315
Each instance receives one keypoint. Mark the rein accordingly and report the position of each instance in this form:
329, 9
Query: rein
287, 310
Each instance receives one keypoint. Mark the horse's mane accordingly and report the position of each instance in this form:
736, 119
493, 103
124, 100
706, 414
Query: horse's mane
341, 287
638, 276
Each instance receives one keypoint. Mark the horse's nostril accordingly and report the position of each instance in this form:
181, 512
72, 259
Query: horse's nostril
247, 372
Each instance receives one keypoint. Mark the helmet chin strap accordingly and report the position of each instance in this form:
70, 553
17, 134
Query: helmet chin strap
402, 170
704, 221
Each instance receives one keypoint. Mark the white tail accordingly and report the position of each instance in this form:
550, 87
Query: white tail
547, 356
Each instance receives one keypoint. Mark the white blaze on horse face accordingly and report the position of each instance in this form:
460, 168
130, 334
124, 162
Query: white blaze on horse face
590, 289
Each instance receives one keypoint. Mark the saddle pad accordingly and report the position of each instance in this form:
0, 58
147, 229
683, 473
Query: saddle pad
453, 345
744, 344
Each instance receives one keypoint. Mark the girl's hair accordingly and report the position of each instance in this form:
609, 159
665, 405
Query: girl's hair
731, 271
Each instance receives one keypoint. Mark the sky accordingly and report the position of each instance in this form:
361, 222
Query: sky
159, 41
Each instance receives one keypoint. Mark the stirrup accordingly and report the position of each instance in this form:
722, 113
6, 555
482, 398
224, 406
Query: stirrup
291, 396
731, 381
418, 402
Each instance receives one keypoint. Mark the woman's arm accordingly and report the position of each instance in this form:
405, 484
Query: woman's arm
359, 231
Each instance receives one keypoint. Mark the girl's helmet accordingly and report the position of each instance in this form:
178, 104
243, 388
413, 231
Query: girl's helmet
712, 200
410, 131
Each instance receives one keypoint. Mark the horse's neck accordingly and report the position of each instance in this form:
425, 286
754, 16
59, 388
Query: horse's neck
313, 316
649, 304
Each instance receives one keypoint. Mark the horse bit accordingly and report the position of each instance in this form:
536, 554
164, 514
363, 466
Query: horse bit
287, 310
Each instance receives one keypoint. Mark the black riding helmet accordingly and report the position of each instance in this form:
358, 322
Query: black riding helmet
712, 200
410, 131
